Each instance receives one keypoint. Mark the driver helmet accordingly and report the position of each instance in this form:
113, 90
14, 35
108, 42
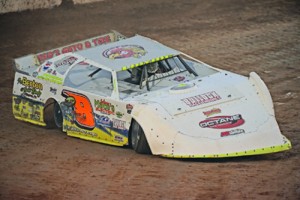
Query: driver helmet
152, 67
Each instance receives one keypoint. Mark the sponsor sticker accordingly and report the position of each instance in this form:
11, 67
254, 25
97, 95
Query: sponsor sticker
119, 114
232, 132
66, 61
222, 122
124, 51
104, 107
53, 90
103, 120
31, 87
212, 112
35, 74
129, 108
47, 66
74, 47
118, 138
179, 78
201, 99
80, 131
119, 124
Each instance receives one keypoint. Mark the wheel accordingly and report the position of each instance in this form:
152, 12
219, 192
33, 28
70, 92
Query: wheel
58, 117
53, 114
138, 139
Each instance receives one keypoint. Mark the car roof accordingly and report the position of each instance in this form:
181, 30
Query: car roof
128, 53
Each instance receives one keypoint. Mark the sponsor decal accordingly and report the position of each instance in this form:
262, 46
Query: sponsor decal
119, 138
31, 87
212, 112
52, 72
103, 123
179, 78
222, 122
35, 74
28, 83
119, 114
53, 90
124, 51
74, 47
119, 124
232, 132
81, 108
66, 61
104, 107
201, 99
51, 78
129, 108
67, 108
27, 109
46, 66
80, 131
103, 120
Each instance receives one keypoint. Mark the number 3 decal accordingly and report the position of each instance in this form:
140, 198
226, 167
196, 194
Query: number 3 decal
83, 110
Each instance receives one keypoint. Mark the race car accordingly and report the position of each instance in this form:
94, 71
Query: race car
140, 93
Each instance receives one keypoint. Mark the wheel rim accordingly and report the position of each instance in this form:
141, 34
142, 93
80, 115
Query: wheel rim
58, 118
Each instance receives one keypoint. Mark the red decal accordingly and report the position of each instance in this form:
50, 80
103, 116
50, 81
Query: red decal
87, 44
222, 122
73, 47
201, 99
101, 40
232, 132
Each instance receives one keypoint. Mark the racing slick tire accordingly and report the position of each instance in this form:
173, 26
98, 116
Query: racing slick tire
58, 117
53, 115
138, 139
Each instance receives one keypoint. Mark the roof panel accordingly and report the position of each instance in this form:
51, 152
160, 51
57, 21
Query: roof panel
128, 53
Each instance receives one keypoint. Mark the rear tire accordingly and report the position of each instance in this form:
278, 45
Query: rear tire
53, 115
58, 117
138, 139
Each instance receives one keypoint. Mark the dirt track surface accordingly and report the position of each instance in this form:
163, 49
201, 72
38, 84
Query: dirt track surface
239, 36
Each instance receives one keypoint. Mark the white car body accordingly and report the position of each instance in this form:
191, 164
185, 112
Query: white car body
185, 107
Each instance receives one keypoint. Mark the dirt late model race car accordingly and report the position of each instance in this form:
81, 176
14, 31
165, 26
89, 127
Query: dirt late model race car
140, 93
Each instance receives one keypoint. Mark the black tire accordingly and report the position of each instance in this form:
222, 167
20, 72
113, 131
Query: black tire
138, 140
53, 115
58, 117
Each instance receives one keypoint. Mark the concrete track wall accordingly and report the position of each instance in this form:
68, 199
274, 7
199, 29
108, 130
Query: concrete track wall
20, 5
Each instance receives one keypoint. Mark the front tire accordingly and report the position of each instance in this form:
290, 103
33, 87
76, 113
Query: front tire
138, 139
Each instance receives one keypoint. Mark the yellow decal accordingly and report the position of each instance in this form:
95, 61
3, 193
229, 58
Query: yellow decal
146, 62
28, 110
51, 78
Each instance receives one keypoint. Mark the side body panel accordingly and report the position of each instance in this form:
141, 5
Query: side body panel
29, 97
86, 116
92, 117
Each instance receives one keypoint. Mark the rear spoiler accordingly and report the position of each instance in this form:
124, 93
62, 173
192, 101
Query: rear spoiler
23, 63
81, 45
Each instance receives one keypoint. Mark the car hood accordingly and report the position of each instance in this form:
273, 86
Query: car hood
216, 116
204, 92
